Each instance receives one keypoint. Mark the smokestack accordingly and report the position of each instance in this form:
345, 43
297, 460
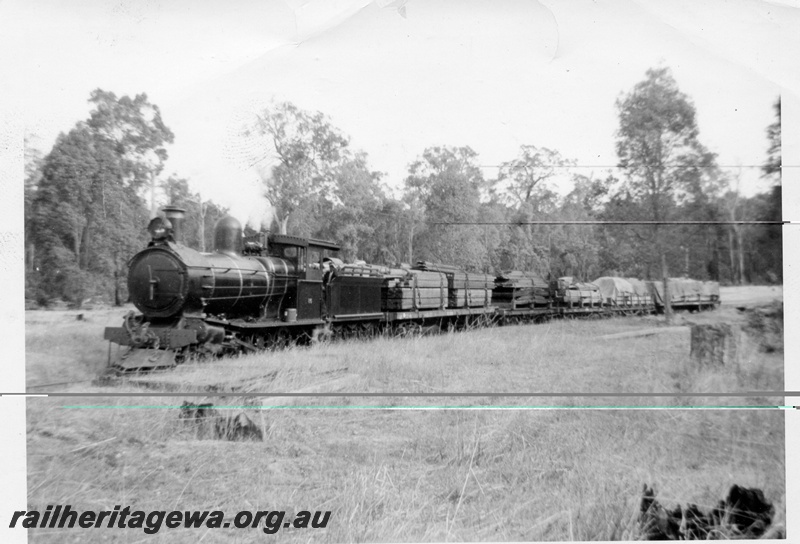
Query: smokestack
175, 216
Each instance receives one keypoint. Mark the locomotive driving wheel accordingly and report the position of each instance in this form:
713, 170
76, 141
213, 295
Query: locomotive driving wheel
322, 335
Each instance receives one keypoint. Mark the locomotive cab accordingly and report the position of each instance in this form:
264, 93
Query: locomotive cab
307, 256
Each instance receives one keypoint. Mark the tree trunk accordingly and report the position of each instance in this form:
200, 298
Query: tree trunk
153, 211
31, 266
76, 246
667, 299
686, 264
83, 256
410, 243
741, 254
732, 255
203, 209
117, 298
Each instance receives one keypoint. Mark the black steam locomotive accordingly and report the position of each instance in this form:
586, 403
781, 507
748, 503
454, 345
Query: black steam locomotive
269, 291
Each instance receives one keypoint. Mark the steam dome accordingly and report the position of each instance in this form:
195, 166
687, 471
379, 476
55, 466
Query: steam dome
228, 236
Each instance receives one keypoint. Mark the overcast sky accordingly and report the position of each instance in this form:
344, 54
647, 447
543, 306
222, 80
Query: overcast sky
400, 76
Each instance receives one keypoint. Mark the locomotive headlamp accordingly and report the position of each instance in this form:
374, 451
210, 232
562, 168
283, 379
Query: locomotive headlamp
159, 228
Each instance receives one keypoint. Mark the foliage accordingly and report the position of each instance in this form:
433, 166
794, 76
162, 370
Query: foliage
524, 178
770, 238
33, 174
668, 172
133, 126
201, 215
446, 182
656, 140
86, 209
522, 185
356, 199
773, 163
306, 147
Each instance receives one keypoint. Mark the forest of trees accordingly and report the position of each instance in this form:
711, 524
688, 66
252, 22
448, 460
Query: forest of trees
88, 201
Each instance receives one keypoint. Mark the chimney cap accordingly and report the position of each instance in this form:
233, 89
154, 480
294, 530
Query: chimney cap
173, 210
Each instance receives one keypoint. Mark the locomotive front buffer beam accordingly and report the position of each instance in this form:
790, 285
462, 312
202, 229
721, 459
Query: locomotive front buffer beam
129, 360
156, 351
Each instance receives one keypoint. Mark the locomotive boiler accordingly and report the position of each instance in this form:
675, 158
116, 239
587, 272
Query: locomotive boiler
168, 278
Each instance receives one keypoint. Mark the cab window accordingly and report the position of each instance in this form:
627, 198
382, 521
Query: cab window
290, 252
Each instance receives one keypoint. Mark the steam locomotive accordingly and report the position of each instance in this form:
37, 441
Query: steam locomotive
272, 290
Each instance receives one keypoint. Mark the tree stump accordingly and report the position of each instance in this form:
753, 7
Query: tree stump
715, 345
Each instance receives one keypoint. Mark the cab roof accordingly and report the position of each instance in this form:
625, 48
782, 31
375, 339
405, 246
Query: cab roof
298, 241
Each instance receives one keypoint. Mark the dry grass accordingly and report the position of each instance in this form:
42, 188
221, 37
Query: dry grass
59, 348
392, 475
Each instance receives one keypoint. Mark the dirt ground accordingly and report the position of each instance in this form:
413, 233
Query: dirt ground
750, 295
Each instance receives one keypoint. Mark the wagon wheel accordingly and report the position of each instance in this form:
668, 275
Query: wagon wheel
401, 330
338, 332
280, 339
367, 330
404, 330
353, 330
305, 338
364, 331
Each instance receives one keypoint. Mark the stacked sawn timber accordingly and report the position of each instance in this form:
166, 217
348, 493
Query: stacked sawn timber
521, 289
465, 289
414, 290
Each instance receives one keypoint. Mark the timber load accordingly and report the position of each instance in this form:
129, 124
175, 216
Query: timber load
623, 292
414, 290
686, 292
465, 289
574, 293
521, 289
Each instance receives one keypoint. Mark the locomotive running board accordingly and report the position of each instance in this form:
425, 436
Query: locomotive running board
144, 360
